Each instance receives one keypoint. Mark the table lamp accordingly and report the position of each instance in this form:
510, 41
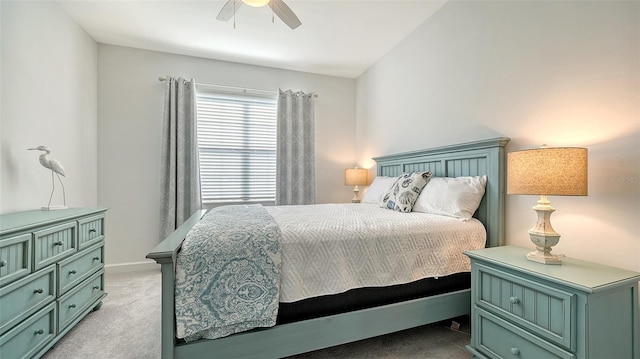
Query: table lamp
547, 171
356, 177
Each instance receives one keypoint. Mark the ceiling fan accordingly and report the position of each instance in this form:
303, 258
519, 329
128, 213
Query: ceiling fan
279, 8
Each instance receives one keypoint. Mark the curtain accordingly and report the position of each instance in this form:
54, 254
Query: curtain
295, 159
179, 177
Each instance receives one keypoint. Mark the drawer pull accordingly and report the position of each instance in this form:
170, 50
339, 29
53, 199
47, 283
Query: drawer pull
96, 287
3, 263
514, 300
58, 243
73, 271
92, 230
72, 305
38, 332
515, 351
96, 258
39, 290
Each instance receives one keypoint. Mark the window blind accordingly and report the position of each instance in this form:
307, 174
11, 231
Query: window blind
237, 148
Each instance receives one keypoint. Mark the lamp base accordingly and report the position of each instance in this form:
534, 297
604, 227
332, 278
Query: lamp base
543, 236
53, 208
545, 258
356, 198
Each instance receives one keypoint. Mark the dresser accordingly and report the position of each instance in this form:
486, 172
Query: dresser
51, 276
524, 309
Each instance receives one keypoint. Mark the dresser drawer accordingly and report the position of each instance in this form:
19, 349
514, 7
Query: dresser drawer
500, 339
79, 299
74, 270
91, 231
54, 243
545, 311
24, 297
30, 336
15, 258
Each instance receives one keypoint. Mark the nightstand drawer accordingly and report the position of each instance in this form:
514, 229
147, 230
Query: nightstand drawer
91, 230
79, 299
15, 258
545, 311
54, 244
24, 297
74, 270
25, 340
499, 339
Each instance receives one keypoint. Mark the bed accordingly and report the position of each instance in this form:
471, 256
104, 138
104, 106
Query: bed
303, 333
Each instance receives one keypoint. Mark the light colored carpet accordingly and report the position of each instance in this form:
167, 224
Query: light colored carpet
128, 326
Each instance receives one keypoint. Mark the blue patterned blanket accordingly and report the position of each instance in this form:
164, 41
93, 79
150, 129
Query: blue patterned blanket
228, 273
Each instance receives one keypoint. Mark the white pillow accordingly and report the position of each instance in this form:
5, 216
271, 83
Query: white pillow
452, 196
377, 189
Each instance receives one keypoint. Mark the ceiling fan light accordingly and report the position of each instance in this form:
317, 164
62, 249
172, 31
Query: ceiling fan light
256, 3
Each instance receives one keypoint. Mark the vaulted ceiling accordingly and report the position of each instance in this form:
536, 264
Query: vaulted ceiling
339, 38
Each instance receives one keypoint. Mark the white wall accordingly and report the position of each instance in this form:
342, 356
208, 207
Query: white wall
49, 97
560, 73
129, 124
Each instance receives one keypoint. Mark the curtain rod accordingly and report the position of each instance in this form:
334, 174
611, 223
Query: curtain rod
163, 79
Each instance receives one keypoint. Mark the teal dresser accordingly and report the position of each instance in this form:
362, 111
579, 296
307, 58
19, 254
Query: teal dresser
51, 276
524, 309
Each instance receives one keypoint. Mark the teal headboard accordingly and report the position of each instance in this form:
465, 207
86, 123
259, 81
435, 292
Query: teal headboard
466, 159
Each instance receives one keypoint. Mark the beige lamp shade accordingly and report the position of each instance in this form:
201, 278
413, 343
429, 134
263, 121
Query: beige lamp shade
356, 177
557, 171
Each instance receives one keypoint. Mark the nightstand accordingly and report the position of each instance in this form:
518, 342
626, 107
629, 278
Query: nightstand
524, 309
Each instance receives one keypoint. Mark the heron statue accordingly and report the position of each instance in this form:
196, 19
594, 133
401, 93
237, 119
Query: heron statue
55, 167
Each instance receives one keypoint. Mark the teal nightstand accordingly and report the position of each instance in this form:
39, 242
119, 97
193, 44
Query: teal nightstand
524, 309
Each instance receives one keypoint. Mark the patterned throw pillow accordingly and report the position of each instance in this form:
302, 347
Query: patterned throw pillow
404, 193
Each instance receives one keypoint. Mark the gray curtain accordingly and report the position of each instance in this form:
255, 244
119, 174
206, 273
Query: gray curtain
179, 177
295, 173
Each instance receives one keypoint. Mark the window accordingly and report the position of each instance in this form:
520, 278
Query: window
237, 148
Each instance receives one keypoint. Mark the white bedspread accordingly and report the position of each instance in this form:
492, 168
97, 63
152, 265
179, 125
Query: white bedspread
363, 245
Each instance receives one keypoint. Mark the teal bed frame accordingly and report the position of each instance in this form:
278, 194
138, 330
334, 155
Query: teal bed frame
485, 157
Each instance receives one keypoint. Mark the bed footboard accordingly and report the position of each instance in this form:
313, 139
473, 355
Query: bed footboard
165, 254
313, 334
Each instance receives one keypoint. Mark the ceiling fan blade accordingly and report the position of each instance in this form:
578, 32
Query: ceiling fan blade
285, 13
227, 10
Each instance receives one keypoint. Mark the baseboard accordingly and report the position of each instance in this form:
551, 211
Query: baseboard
131, 267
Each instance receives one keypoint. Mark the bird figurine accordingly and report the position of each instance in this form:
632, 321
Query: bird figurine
55, 167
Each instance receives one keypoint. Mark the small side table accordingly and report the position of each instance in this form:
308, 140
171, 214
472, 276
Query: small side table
524, 309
